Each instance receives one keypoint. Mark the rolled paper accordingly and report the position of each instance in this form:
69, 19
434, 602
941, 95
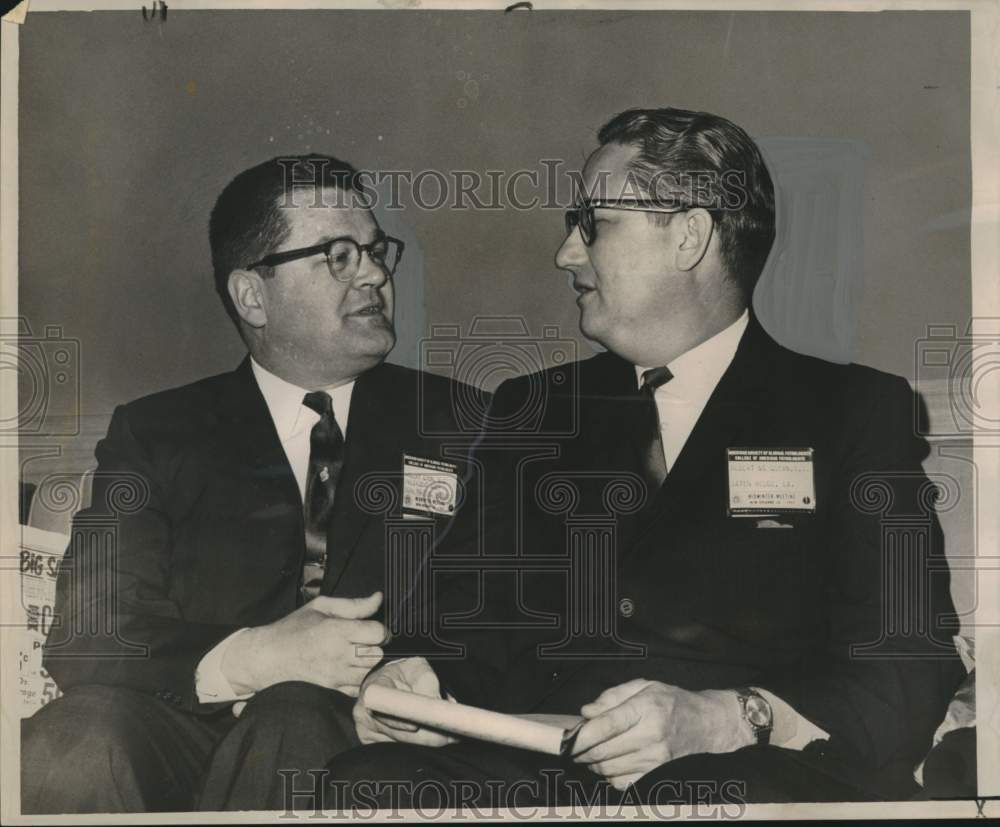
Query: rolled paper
470, 721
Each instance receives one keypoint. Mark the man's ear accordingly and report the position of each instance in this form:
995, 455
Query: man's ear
696, 233
247, 293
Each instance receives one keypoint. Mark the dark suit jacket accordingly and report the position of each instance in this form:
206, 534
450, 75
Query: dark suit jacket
715, 601
196, 527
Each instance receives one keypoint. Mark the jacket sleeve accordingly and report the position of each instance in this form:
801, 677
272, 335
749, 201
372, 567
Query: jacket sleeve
882, 681
116, 622
474, 606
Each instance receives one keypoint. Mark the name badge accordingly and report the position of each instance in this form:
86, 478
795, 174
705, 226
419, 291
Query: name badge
430, 487
770, 481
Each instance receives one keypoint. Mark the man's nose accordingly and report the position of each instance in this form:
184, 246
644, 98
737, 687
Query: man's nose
572, 252
370, 272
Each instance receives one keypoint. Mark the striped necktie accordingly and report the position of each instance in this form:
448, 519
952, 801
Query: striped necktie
326, 459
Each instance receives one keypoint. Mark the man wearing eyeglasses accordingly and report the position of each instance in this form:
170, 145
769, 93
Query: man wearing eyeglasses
748, 648
247, 589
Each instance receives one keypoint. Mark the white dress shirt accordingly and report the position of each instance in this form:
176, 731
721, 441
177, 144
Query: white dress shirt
294, 423
679, 404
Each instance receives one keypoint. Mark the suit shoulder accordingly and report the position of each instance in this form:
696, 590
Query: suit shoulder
176, 401
838, 376
565, 377
431, 384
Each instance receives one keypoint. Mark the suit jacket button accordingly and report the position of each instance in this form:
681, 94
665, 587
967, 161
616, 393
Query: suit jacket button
626, 608
554, 676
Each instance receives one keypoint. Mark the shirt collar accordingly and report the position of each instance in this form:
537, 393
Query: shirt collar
702, 366
284, 402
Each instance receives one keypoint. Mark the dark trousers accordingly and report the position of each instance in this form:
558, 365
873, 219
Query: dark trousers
109, 749
484, 777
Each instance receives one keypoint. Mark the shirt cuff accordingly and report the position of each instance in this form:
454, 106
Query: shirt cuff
210, 683
789, 729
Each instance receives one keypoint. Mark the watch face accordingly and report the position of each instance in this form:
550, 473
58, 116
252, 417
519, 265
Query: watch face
758, 711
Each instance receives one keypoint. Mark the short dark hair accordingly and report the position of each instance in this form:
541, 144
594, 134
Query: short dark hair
675, 146
247, 223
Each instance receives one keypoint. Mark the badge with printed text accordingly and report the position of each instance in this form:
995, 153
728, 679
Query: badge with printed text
768, 481
430, 487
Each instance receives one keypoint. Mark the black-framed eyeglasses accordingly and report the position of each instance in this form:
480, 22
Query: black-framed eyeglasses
343, 255
583, 215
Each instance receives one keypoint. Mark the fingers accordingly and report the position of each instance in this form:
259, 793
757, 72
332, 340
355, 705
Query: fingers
422, 679
370, 736
423, 737
613, 697
348, 607
604, 727
367, 730
641, 761
625, 744
394, 723
377, 721
369, 654
366, 632
372, 727
623, 782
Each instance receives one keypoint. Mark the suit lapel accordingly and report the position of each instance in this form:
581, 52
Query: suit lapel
254, 449
728, 414
379, 423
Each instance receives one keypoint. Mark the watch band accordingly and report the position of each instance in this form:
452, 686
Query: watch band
756, 711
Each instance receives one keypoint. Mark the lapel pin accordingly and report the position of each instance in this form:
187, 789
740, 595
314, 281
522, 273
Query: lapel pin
324, 473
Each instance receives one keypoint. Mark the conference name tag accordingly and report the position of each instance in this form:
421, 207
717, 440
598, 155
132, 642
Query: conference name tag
767, 481
430, 487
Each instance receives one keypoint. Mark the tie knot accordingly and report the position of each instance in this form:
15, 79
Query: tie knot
654, 377
319, 401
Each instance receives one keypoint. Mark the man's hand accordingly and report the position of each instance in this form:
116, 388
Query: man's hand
634, 727
410, 675
326, 642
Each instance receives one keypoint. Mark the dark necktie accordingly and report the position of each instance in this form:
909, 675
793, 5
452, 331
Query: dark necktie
326, 458
654, 465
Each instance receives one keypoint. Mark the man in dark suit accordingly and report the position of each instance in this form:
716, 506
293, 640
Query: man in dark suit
743, 627
220, 638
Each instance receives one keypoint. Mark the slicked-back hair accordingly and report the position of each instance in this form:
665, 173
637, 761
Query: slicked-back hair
247, 222
704, 160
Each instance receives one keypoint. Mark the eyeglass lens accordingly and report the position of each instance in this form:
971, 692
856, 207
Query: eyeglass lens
344, 257
582, 217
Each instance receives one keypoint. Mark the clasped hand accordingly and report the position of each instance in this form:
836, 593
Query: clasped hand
410, 675
328, 642
635, 727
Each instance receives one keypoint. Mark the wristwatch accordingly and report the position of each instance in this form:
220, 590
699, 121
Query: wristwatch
756, 711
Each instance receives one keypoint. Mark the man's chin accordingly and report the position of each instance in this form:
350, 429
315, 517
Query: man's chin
588, 327
380, 342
